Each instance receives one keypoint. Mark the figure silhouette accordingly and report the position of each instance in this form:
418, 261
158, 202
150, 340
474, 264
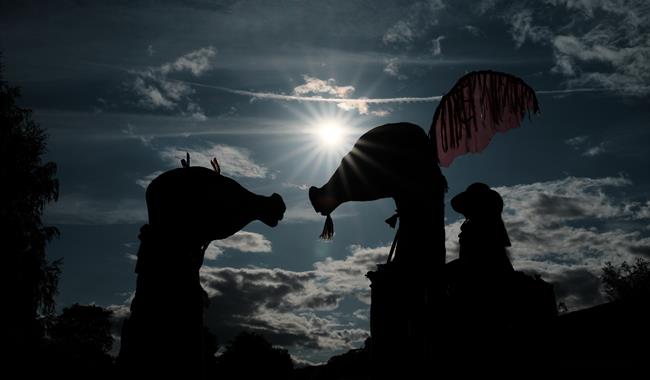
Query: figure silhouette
394, 161
483, 239
397, 161
400, 161
488, 299
188, 208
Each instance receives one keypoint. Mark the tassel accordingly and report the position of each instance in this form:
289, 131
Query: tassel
328, 229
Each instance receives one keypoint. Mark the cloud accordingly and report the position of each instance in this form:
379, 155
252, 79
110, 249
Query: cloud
567, 229
146, 180
315, 86
400, 33
522, 28
579, 142
287, 306
601, 43
234, 161
381, 112
576, 141
360, 106
213, 251
473, 30
130, 131
319, 99
348, 102
436, 46
418, 19
156, 90
347, 276
80, 209
595, 150
245, 241
277, 303
197, 62
298, 186
393, 69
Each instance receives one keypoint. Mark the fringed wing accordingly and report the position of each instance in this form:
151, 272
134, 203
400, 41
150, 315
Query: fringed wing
481, 104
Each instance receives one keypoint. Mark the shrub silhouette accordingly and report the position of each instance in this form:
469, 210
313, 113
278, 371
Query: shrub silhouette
250, 355
627, 282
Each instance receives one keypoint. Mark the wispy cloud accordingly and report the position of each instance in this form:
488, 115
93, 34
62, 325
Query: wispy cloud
362, 101
414, 25
317, 86
243, 241
79, 209
581, 143
318, 99
602, 43
436, 45
393, 68
595, 150
576, 141
155, 90
146, 180
473, 30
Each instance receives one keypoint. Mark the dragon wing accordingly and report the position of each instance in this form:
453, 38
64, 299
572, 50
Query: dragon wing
479, 105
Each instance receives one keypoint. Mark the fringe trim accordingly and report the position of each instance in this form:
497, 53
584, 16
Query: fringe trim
500, 95
328, 229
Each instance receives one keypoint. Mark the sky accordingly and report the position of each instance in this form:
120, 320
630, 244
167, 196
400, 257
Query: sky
279, 91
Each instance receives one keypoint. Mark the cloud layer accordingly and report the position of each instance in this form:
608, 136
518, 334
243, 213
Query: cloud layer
156, 90
602, 43
564, 230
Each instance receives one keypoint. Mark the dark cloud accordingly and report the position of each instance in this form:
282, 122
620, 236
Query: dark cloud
210, 5
558, 206
642, 250
578, 288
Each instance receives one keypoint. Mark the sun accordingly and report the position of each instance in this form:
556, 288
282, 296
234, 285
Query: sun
319, 138
330, 133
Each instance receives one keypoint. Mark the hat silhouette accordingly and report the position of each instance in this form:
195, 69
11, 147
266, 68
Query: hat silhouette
478, 200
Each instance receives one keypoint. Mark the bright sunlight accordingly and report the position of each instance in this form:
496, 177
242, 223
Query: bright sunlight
330, 133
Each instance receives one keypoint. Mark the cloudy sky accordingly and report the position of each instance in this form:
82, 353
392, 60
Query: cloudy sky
125, 88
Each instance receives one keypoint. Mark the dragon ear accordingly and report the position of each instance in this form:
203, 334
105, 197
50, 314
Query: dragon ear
185, 162
479, 105
215, 165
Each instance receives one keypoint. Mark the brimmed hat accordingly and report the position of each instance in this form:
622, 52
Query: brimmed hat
477, 200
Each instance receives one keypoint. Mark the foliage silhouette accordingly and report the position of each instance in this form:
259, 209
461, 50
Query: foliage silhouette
627, 282
29, 280
80, 341
251, 356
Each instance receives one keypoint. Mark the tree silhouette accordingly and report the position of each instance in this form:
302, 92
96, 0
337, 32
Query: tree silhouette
627, 282
29, 281
79, 341
85, 329
251, 356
